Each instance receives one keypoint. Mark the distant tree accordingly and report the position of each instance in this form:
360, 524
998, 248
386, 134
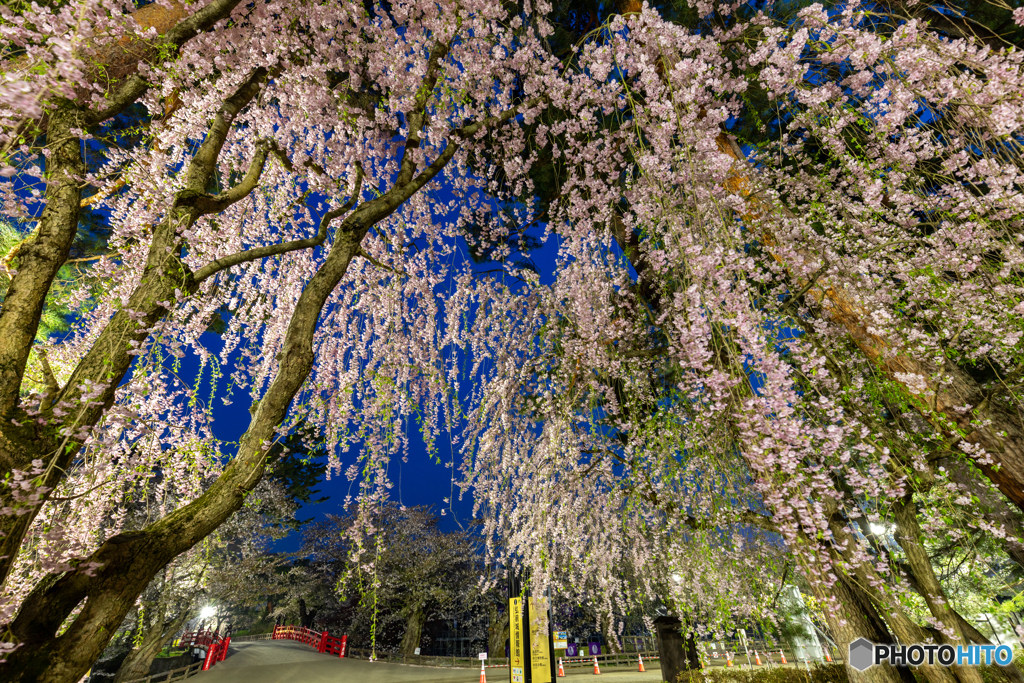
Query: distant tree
411, 573
228, 571
297, 462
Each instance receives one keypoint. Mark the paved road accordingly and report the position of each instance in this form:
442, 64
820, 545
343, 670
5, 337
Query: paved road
285, 661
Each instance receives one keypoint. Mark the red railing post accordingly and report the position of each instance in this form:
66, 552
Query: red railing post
323, 643
224, 648
344, 646
273, 636
211, 657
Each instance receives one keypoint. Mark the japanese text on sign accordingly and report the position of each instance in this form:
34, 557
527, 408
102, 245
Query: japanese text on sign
540, 654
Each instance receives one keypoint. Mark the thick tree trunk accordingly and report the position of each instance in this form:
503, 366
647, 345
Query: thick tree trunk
905, 629
41, 255
879, 631
414, 620
995, 511
852, 619
138, 662
973, 635
908, 534
113, 576
39, 258
129, 561
608, 628
306, 617
678, 653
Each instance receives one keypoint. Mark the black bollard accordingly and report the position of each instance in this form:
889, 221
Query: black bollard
677, 654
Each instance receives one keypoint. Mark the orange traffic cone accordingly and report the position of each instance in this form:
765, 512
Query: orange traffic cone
757, 658
642, 669
728, 659
782, 655
597, 669
827, 658
483, 673
561, 670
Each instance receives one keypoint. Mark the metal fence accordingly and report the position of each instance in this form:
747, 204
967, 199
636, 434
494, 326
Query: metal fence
617, 659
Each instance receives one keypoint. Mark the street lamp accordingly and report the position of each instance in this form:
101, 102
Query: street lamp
206, 613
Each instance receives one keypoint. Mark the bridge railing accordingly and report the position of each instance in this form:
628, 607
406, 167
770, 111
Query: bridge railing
338, 646
214, 643
323, 641
250, 638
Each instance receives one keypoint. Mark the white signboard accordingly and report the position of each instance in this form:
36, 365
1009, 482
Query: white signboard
482, 656
416, 651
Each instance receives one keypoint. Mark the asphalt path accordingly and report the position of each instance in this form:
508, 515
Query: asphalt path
285, 661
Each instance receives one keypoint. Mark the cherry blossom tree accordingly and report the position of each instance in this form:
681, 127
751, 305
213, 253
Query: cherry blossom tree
293, 149
714, 353
747, 344
412, 574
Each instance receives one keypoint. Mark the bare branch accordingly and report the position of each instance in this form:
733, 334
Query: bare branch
382, 266
643, 353
220, 264
86, 259
201, 167
49, 379
745, 517
472, 129
417, 117
207, 204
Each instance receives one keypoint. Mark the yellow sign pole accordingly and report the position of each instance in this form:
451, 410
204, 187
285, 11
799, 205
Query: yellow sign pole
516, 641
540, 656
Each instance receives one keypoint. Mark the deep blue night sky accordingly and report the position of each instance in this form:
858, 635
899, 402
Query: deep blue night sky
420, 481
417, 482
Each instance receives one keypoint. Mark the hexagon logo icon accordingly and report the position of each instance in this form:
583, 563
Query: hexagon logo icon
862, 654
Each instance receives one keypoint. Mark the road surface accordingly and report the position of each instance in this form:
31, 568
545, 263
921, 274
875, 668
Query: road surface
285, 661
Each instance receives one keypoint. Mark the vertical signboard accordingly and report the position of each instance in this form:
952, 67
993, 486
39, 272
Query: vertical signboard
540, 653
516, 641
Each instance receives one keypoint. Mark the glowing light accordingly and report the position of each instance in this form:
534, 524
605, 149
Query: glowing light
207, 612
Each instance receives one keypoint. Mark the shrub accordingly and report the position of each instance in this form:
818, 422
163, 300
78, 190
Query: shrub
827, 673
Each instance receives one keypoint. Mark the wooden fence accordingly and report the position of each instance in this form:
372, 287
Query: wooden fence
168, 676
